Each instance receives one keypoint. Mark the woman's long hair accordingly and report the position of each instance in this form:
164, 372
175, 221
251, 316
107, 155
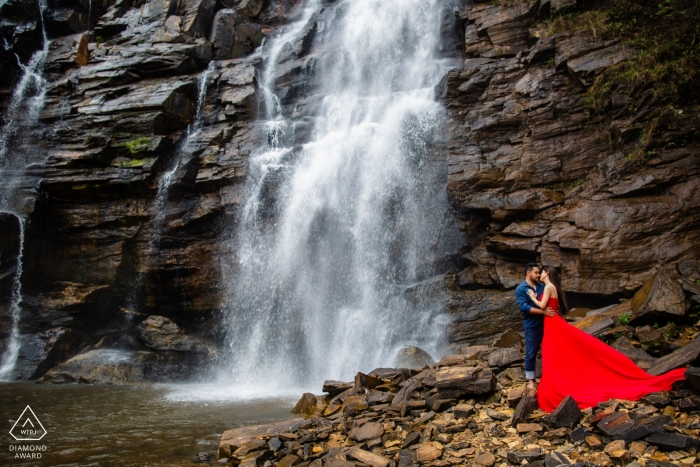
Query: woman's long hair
556, 280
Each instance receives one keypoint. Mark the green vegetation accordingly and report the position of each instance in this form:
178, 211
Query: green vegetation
138, 145
663, 76
665, 32
624, 319
576, 183
99, 40
133, 162
597, 22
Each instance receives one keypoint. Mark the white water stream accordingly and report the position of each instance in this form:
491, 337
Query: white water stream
193, 131
9, 356
166, 181
23, 113
333, 232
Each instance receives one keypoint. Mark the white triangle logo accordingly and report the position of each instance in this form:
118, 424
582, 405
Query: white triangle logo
28, 427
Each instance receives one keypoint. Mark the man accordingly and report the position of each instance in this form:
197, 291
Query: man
533, 318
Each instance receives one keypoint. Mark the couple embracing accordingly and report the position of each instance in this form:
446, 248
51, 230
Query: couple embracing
574, 363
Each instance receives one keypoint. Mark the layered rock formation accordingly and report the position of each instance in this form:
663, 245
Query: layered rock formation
101, 247
534, 174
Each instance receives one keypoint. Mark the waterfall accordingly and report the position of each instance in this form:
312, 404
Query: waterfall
9, 357
24, 109
166, 180
332, 232
22, 114
193, 130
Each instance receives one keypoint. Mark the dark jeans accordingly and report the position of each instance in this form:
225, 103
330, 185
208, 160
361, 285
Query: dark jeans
533, 340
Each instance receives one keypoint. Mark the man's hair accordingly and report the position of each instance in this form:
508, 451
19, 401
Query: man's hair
530, 266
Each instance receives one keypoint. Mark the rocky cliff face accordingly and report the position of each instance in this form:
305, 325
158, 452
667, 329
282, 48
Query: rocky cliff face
107, 238
538, 176
131, 179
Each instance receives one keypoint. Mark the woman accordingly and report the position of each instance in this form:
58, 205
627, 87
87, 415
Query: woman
576, 364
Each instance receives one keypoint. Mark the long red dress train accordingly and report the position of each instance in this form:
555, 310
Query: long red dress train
579, 365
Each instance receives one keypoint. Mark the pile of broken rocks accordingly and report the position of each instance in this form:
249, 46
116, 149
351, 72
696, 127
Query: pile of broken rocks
471, 409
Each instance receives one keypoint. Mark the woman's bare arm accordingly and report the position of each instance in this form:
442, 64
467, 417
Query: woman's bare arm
545, 297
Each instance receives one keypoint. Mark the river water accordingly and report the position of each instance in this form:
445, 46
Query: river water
129, 425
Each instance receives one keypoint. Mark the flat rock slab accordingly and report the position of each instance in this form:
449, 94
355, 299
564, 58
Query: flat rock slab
486, 459
673, 441
369, 430
515, 374
288, 461
676, 359
504, 357
233, 439
470, 352
427, 452
470, 380
644, 427
463, 410
450, 360
529, 427
496, 415
333, 388
530, 456
368, 458
616, 424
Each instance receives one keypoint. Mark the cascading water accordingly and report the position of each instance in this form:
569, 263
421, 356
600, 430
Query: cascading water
9, 357
22, 113
333, 232
193, 130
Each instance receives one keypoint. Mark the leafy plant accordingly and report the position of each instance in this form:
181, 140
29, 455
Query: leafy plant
624, 319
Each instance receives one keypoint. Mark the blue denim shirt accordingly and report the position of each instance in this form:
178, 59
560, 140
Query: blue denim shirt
525, 303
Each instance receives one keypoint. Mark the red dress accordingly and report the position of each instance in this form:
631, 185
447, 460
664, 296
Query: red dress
576, 364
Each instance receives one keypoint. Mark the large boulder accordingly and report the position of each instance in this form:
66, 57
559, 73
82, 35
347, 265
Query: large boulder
111, 366
413, 358
160, 333
40, 351
660, 299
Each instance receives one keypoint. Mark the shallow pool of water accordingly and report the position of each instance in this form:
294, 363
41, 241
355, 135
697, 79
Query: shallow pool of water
132, 425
